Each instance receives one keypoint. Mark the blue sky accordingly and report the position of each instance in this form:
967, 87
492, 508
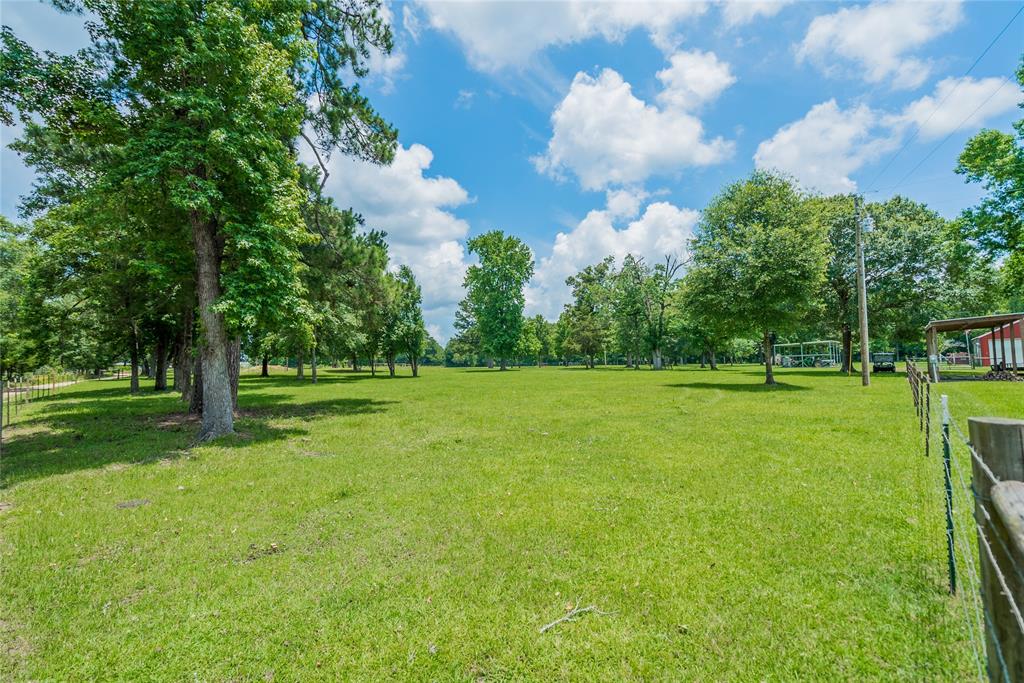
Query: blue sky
602, 128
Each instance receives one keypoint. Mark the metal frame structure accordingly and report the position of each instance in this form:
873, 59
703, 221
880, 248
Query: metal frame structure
993, 323
830, 356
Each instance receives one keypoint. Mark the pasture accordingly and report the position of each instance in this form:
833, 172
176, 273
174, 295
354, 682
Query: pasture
374, 528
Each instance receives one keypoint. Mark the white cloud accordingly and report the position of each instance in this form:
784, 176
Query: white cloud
497, 35
605, 135
738, 12
877, 37
464, 100
415, 210
989, 96
387, 68
625, 202
662, 229
824, 147
693, 79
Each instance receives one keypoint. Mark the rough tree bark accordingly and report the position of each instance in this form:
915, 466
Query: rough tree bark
300, 367
713, 361
847, 348
135, 360
415, 363
656, 359
265, 372
313, 364
769, 376
183, 358
391, 364
160, 361
195, 394
218, 415
234, 368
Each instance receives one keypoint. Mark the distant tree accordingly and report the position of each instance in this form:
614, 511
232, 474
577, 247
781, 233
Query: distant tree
464, 348
495, 291
996, 160
758, 242
410, 331
699, 303
529, 344
628, 314
433, 352
654, 287
588, 315
544, 331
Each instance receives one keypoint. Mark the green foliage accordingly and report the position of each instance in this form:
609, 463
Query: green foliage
495, 291
588, 316
996, 161
766, 256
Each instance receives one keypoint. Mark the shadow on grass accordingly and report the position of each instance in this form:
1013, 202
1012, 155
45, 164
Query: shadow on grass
329, 376
96, 428
751, 388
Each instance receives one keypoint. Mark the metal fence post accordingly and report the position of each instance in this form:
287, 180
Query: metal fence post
928, 419
950, 550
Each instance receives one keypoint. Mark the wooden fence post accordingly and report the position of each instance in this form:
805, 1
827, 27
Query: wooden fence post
1000, 446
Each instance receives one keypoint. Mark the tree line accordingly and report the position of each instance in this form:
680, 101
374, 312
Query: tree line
768, 263
172, 219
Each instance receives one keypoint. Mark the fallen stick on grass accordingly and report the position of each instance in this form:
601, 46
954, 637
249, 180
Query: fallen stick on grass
573, 613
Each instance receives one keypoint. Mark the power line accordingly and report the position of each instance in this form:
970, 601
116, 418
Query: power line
934, 149
920, 126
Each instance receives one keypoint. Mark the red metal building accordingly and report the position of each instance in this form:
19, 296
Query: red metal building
1004, 344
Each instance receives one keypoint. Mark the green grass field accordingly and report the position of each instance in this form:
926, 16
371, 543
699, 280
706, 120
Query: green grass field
428, 528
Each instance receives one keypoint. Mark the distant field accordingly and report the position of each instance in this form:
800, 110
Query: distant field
428, 528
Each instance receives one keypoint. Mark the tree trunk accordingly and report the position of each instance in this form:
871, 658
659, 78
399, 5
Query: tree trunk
265, 372
183, 358
713, 359
391, 364
195, 396
313, 364
415, 363
300, 366
147, 367
769, 377
656, 359
218, 416
373, 365
355, 363
161, 362
135, 361
490, 363
234, 368
847, 348
503, 366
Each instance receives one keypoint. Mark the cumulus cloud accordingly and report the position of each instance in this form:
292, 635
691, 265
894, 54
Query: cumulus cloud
415, 209
824, 147
830, 143
878, 38
498, 35
737, 12
964, 101
604, 135
693, 79
662, 229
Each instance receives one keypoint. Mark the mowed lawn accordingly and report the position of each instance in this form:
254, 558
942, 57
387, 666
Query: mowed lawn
373, 528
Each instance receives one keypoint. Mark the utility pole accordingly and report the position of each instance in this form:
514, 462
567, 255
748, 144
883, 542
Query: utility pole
862, 298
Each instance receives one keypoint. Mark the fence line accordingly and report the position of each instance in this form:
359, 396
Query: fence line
990, 571
22, 390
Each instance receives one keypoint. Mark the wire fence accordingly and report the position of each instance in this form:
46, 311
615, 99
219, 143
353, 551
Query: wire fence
985, 573
19, 391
